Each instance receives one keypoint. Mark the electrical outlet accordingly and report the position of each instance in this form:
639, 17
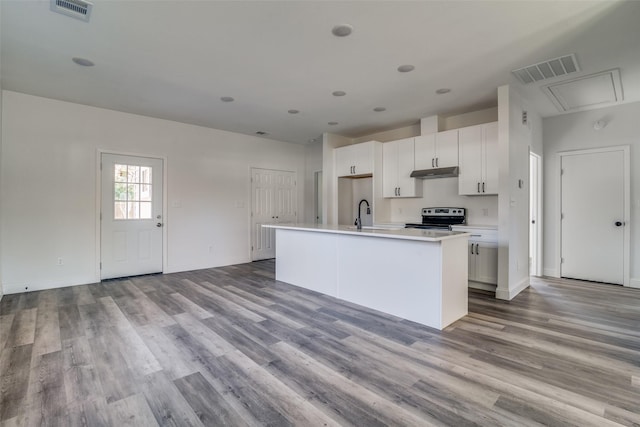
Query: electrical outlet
60, 261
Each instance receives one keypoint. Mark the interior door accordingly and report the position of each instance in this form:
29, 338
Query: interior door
273, 201
593, 220
131, 216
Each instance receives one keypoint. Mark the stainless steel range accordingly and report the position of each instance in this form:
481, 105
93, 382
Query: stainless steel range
440, 218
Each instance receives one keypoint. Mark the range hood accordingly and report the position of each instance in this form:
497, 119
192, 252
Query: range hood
435, 173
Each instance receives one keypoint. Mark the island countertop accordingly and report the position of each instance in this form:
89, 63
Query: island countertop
389, 233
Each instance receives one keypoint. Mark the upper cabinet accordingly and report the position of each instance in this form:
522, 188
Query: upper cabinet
397, 165
436, 150
478, 160
355, 160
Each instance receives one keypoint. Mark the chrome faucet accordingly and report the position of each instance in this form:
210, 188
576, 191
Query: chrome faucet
358, 222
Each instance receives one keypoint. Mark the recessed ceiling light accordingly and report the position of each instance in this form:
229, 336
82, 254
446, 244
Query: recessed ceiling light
443, 91
332, 123
293, 111
406, 68
342, 30
83, 61
379, 109
339, 93
227, 99
261, 133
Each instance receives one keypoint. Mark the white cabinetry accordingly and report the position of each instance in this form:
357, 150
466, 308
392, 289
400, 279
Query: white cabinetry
355, 160
397, 165
483, 256
478, 160
437, 150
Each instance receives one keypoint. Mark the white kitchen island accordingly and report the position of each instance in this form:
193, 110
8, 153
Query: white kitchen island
419, 275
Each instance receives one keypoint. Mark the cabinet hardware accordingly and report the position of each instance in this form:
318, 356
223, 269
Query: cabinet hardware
478, 187
398, 191
618, 223
436, 162
472, 249
477, 249
483, 187
432, 162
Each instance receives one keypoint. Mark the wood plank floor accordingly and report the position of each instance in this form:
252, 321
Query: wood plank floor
232, 346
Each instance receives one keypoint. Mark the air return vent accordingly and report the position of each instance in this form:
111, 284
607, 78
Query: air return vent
548, 69
78, 9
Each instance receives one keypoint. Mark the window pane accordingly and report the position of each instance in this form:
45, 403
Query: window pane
134, 173
120, 173
145, 210
133, 210
145, 192
145, 175
119, 210
134, 192
120, 191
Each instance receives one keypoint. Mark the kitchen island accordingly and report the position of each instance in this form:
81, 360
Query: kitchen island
419, 275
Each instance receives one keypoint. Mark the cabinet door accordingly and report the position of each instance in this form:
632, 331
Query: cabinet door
362, 158
472, 261
490, 158
344, 161
446, 148
470, 145
487, 263
406, 184
389, 169
425, 151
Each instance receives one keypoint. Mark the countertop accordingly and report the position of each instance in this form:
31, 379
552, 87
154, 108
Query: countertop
401, 233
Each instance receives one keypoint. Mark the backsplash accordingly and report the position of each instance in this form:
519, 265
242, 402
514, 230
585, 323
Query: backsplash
481, 210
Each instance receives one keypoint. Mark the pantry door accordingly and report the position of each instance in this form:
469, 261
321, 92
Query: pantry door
131, 216
274, 201
594, 215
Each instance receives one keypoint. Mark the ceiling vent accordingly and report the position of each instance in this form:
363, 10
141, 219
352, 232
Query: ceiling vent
78, 9
548, 69
586, 92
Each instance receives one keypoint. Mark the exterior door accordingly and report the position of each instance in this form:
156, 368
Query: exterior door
274, 201
131, 216
593, 216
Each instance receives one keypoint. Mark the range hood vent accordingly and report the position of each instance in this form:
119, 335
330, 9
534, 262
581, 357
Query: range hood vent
435, 173
78, 9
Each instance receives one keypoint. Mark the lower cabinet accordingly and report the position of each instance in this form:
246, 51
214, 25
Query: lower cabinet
483, 256
483, 262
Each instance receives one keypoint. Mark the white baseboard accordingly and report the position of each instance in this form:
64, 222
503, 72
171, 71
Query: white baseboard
634, 283
551, 272
509, 294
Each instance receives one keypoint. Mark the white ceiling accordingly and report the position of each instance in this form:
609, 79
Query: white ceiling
175, 59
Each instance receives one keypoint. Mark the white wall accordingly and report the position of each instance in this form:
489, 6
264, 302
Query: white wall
514, 141
49, 177
1, 288
313, 164
575, 131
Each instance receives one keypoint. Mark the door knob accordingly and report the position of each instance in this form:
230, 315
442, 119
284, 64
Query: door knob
159, 224
618, 224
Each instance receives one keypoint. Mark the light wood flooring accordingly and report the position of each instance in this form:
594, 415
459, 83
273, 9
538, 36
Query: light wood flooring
232, 346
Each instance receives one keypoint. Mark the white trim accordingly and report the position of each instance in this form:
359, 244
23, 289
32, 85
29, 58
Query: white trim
539, 213
627, 204
165, 210
634, 283
509, 294
482, 286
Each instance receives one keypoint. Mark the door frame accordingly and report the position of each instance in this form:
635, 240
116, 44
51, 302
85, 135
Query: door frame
98, 201
627, 204
539, 220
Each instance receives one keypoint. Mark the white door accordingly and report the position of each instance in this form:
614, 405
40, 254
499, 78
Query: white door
471, 163
131, 216
390, 169
593, 216
534, 216
273, 201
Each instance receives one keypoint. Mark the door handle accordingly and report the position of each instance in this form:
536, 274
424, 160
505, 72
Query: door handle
436, 162
477, 249
478, 187
432, 162
619, 224
472, 249
398, 191
159, 224
483, 187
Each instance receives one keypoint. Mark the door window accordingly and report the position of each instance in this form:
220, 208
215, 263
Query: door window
132, 192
